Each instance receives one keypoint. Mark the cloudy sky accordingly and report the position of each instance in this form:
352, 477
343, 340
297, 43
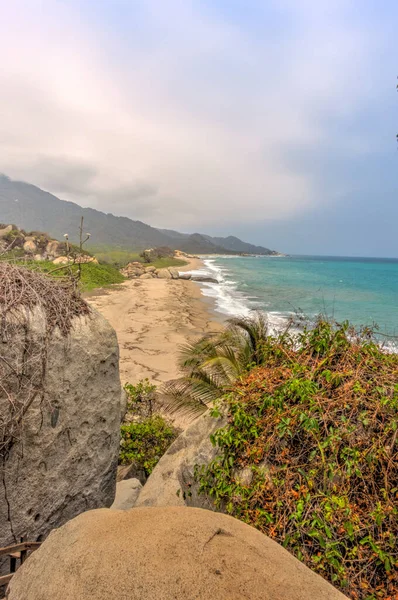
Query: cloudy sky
274, 120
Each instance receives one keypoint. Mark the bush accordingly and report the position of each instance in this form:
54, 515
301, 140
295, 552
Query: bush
143, 443
316, 429
141, 397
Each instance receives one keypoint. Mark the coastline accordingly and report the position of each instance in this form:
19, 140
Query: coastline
152, 318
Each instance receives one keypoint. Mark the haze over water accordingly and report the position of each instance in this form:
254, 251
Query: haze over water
361, 290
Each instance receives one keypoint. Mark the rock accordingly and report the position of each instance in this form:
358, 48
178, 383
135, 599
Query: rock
85, 258
174, 273
61, 260
186, 276
5, 230
174, 553
39, 257
244, 476
146, 276
173, 477
164, 274
150, 269
29, 246
204, 278
53, 248
126, 494
63, 459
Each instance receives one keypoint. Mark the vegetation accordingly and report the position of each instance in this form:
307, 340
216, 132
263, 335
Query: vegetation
145, 435
93, 275
144, 442
120, 258
212, 364
309, 455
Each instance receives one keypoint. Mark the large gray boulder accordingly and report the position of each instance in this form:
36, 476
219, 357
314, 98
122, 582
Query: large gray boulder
60, 458
172, 483
168, 553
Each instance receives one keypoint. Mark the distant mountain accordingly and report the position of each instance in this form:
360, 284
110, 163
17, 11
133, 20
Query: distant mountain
31, 208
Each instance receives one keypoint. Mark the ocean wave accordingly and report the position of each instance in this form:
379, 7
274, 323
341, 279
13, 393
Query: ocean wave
231, 299
232, 302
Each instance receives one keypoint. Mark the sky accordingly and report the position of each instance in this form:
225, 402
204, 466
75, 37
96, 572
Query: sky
273, 120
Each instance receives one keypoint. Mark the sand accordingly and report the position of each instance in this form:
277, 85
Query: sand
152, 318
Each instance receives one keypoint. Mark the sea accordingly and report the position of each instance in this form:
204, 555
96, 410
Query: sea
363, 291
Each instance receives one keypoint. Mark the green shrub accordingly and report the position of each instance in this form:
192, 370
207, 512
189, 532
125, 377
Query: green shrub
316, 429
143, 443
140, 396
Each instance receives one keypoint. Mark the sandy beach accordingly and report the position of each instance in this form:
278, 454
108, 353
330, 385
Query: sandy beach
152, 318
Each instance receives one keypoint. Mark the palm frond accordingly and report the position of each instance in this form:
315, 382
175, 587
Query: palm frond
210, 364
189, 396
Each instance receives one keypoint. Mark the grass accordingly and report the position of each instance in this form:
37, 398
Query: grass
115, 256
309, 456
163, 263
92, 275
121, 257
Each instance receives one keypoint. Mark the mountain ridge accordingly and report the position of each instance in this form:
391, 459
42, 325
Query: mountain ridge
30, 207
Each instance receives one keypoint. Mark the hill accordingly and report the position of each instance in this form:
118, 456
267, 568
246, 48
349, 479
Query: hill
30, 207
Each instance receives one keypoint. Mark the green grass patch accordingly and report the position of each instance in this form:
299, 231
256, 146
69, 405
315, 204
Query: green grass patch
162, 263
115, 256
310, 455
121, 257
92, 275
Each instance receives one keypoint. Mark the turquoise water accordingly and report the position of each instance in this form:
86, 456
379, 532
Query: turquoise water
362, 290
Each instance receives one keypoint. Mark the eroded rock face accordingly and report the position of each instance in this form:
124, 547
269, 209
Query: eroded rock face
64, 459
172, 483
175, 552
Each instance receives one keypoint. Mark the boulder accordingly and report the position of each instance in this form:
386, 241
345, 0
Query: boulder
164, 274
53, 248
30, 247
151, 269
5, 230
127, 492
186, 276
174, 553
85, 258
62, 459
39, 257
204, 278
171, 483
61, 260
146, 276
174, 273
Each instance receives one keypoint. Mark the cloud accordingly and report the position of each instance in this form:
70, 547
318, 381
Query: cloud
181, 112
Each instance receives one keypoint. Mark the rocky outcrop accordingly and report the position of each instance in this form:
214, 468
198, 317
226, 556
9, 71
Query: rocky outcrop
171, 483
39, 246
62, 460
204, 278
175, 552
127, 492
137, 270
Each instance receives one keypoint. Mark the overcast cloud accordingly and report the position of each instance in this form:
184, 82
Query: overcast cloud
201, 115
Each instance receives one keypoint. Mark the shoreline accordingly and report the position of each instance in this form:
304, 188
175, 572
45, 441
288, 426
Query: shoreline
152, 318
